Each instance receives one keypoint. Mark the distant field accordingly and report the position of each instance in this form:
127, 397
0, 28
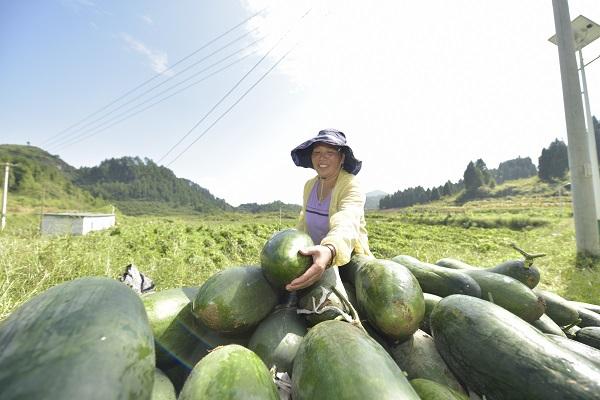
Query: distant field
181, 250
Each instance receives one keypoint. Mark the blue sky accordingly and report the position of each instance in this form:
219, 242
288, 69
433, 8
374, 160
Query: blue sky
420, 88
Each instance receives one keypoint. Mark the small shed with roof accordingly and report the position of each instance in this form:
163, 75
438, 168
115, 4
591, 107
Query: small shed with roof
75, 223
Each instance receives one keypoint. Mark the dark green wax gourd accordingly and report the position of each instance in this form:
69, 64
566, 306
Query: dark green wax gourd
180, 338
163, 388
588, 306
522, 270
508, 293
390, 297
337, 360
234, 300
439, 280
588, 318
431, 390
277, 338
547, 325
84, 339
280, 258
589, 335
230, 372
588, 352
516, 362
431, 301
419, 358
558, 308
348, 271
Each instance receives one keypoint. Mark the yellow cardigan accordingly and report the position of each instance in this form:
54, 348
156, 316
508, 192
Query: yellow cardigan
347, 225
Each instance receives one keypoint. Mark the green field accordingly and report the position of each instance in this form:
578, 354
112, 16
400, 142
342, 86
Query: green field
179, 251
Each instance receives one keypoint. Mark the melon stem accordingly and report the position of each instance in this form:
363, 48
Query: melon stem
528, 261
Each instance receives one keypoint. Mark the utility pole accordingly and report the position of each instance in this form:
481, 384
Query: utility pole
5, 194
584, 211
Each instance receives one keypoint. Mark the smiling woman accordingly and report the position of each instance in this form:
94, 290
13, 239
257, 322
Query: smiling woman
333, 207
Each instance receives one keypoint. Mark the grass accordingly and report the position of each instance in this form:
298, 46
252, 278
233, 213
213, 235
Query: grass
185, 250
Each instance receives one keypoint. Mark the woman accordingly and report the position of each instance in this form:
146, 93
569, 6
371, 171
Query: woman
333, 207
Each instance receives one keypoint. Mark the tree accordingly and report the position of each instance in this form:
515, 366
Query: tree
485, 174
448, 190
554, 161
516, 168
473, 177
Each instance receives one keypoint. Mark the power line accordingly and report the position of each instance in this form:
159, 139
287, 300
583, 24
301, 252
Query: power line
107, 114
78, 134
589, 62
231, 107
159, 74
81, 138
230, 91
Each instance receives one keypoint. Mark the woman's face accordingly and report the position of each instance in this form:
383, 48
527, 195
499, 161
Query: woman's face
327, 160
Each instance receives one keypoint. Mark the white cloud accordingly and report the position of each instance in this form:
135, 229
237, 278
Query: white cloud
147, 19
83, 6
159, 61
421, 88
86, 3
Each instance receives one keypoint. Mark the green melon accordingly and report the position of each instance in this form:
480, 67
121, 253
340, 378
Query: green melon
431, 390
280, 258
163, 389
390, 297
179, 337
234, 300
277, 338
419, 358
230, 372
431, 301
497, 354
547, 325
84, 339
337, 360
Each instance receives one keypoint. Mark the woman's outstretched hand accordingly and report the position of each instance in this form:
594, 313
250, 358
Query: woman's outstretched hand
321, 256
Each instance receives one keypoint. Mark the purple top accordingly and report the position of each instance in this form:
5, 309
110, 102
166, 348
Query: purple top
317, 215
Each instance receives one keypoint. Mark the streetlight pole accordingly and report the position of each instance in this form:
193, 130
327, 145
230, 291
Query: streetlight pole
4, 196
591, 136
587, 236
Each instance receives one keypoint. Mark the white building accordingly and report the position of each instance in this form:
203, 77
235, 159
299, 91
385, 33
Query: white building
75, 223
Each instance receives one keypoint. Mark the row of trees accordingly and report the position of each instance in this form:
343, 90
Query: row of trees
476, 175
553, 163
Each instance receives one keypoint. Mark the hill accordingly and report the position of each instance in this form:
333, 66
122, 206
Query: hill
42, 180
142, 187
136, 186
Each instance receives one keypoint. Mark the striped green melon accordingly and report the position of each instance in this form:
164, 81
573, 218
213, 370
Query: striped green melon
163, 389
337, 360
234, 300
390, 297
230, 372
431, 390
84, 339
419, 358
499, 355
277, 338
179, 337
280, 258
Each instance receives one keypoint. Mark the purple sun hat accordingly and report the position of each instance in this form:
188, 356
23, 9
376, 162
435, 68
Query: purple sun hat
301, 154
